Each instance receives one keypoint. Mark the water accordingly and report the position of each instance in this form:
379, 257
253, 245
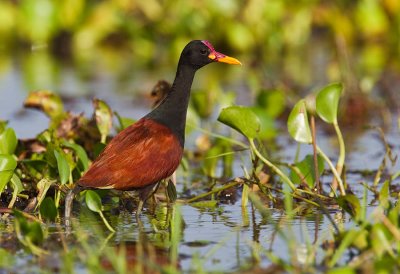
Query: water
223, 237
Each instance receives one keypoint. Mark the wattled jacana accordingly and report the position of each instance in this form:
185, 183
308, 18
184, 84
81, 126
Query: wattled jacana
150, 150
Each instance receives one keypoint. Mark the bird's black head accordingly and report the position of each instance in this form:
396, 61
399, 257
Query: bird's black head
199, 53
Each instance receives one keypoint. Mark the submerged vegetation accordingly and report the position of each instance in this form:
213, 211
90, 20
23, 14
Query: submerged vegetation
235, 156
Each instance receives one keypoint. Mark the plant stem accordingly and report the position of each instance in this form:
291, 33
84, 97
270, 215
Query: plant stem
13, 199
335, 173
272, 166
340, 162
106, 222
315, 156
214, 191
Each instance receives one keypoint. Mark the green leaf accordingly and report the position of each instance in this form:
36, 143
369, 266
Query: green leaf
43, 186
241, 118
298, 125
48, 209
384, 194
28, 232
205, 204
342, 270
80, 152
47, 101
7, 166
381, 240
63, 167
93, 201
8, 141
103, 116
351, 205
171, 191
268, 129
16, 183
327, 102
307, 170
124, 122
7, 259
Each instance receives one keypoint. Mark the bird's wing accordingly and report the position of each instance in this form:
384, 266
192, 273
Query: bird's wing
142, 154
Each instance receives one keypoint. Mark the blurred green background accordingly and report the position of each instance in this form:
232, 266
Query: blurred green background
293, 46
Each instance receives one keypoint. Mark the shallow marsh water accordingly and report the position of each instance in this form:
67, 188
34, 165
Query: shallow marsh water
222, 237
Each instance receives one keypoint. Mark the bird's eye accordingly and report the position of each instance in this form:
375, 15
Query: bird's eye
203, 51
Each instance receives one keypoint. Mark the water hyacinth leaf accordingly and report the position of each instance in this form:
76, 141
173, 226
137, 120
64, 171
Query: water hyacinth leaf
8, 141
80, 152
48, 209
63, 167
351, 205
327, 102
93, 201
7, 166
103, 116
242, 119
268, 129
298, 125
306, 169
47, 101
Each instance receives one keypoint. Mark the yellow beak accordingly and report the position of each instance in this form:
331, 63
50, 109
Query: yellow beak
219, 57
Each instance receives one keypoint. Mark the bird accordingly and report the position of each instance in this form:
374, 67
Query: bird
150, 150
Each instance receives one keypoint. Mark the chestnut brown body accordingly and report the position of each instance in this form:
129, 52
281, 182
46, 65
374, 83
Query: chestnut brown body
140, 155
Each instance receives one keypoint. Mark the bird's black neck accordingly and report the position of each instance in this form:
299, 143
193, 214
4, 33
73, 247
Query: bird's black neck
172, 111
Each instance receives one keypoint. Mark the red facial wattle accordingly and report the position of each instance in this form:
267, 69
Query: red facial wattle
220, 57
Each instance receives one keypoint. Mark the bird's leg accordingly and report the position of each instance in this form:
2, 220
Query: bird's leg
68, 203
144, 194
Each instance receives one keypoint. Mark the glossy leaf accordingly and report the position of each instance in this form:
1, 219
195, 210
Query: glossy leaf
103, 116
93, 201
298, 125
307, 170
63, 167
7, 166
241, 118
327, 102
48, 209
8, 141
80, 152
268, 128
